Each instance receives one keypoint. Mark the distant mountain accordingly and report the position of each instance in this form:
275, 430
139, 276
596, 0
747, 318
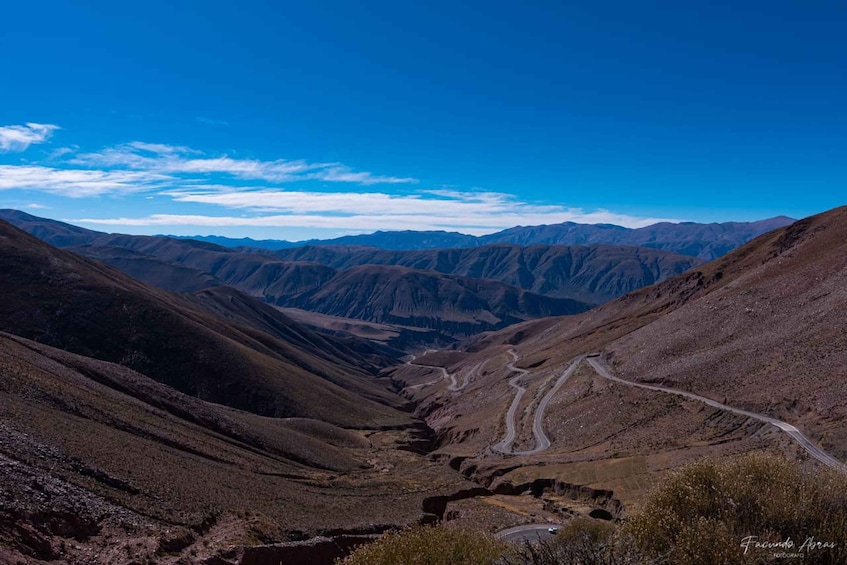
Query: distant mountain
401, 240
458, 306
595, 273
271, 244
449, 304
706, 241
383, 239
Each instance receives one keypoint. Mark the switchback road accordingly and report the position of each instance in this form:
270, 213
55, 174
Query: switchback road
542, 442
444, 374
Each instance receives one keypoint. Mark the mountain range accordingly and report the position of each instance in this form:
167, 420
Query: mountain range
706, 241
453, 292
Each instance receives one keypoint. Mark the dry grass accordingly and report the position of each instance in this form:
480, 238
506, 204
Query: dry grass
701, 515
426, 545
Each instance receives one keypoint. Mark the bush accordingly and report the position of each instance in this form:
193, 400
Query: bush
429, 545
702, 514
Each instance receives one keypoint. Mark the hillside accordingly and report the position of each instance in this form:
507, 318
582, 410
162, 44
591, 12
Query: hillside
101, 464
594, 274
761, 329
148, 269
60, 299
457, 306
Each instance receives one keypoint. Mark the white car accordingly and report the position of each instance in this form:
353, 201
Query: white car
553, 529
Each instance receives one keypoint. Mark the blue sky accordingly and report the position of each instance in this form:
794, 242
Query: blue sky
307, 119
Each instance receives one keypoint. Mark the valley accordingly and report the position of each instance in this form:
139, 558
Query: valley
420, 283
228, 426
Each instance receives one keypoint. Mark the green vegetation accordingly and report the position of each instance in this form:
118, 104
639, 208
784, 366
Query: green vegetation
755, 509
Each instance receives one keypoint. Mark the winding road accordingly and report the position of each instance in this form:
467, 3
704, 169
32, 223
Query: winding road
444, 374
455, 386
454, 383
536, 532
503, 445
795, 434
542, 442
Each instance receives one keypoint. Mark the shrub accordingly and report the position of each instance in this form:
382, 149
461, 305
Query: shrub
429, 545
703, 513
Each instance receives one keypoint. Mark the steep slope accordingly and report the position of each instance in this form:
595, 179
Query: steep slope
101, 464
763, 329
594, 274
60, 299
451, 304
253, 314
55, 233
148, 269
256, 274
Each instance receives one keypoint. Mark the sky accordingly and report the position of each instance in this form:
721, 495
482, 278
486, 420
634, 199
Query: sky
298, 120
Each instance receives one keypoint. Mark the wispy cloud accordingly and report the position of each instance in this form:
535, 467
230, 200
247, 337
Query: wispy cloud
160, 148
476, 213
77, 183
62, 151
183, 178
351, 203
19, 138
168, 159
338, 173
369, 223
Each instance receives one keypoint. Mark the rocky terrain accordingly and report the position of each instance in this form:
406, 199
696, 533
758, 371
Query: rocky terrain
211, 427
761, 329
142, 426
